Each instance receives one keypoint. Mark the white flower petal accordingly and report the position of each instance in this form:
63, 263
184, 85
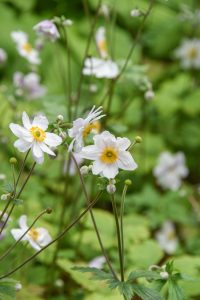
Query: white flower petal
23, 222
34, 245
39, 160
17, 233
41, 122
46, 149
97, 167
110, 171
44, 237
26, 120
22, 145
123, 143
126, 161
21, 132
52, 139
37, 151
89, 152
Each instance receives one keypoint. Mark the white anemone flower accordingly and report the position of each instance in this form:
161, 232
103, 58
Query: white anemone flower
34, 136
100, 68
100, 38
47, 29
167, 238
109, 154
24, 47
170, 170
189, 54
97, 262
82, 127
37, 237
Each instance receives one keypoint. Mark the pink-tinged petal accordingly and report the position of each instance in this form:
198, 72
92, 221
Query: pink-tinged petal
110, 171
23, 222
41, 122
26, 121
52, 139
21, 132
97, 167
37, 151
126, 161
46, 149
123, 143
22, 145
89, 152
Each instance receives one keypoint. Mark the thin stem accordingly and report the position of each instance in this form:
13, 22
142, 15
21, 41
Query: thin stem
121, 222
25, 182
118, 236
93, 220
22, 167
53, 241
15, 244
85, 56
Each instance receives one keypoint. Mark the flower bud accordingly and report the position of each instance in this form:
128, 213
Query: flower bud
111, 188
90, 168
84, 170
60, 118
49, 210
13, 161
149, 95
67, 22
135, 13
164, 275
128, 182
5, 196
138, 139
18, 286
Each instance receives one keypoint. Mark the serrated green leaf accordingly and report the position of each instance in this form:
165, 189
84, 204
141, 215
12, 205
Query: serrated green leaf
7, 289
175, 292
146, 293
142, 273
126, 290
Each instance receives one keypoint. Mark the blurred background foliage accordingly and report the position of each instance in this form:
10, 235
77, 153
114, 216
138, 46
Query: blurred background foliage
169, 122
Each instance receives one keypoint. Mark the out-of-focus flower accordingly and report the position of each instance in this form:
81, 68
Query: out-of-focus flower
97, 262
109, 154
47, 29
72, 166
189, 54
93, 88
104, 10
100, 68
3, 56
135, 13
82, 127
37, 237
167, 238
2, 177
149, 94
34, 136
101, 42
28, 85
18, 286
170, 170
67, 22
24, 47
3, 220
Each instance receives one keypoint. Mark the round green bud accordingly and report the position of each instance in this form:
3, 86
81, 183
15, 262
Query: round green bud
138, 139
49, 210
128, 182
13, 161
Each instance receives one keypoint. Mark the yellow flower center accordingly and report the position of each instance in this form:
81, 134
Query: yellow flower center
27, 47
109, 155
38, 134
91, 127
171, 235
102, 46
192, 53
34, 234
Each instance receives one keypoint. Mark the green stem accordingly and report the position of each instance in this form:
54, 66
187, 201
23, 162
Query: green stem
121, 223
118, 236
53, 241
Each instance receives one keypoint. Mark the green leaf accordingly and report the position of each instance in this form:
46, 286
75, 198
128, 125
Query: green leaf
141, 273
126, 289
9, 187
18, 201
175, 291
7, 289
146, 293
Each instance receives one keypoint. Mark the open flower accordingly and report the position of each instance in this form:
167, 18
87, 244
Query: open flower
82, 127
37, 237
189, 53
109, 154
101, 42
100, 68
170, 170
3, 56
24, 47
167, 238
97, 262
28, 85
34, 136
47, 29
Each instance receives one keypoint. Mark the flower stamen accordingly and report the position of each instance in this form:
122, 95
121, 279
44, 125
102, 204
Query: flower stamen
38, 134
34, 234
27, 47
109, 155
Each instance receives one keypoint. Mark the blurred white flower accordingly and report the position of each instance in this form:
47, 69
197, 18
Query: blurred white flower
135, 13
3, 56
170, 170
24, 47
28, 85
18, 286
47, 29
82, 127
100, 38
67, 22
167, 238
37, 237
149, 94
100, 68
2, 176
93, 88
97, 262
5, 216
34, 136
104, 10
109, 154
189, 53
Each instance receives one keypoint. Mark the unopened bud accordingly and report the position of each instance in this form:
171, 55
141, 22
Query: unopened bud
5, 197
135, 13
164, 275
84, 170
18, 286
67, 22
13, 161
111, 188
60, 118
138, 139
90, 168
149, 95
49, 210
128, 182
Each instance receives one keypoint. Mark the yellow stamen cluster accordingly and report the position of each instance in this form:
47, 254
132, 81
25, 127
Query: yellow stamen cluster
27, 47
34, 234
38, 134
109, 155
102, 46
91, 127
